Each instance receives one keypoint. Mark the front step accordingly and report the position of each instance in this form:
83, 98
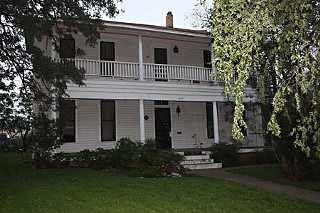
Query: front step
197, 161
197, 157
201, 161
204, 166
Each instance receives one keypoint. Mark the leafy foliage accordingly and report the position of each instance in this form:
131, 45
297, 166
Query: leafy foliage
126, 155
277, 41
28, 75
225, 153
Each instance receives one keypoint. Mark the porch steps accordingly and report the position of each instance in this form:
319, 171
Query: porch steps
199, 161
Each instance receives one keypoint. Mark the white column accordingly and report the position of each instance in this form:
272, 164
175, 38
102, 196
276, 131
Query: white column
141, 68
53, 57
142, 128
215, 122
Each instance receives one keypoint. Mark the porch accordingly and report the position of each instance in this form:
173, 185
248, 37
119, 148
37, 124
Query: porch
148, 71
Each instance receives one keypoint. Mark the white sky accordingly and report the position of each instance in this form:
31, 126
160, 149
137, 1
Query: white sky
154, 12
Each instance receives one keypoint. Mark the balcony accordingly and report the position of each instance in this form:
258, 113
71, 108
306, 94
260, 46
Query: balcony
156, 72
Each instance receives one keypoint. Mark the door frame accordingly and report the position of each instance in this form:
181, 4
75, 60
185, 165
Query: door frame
170, 115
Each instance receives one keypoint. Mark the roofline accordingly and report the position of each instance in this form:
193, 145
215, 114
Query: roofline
159, 29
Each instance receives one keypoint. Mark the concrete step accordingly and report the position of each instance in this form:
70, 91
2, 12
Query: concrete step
204, 166
197, 157
197, 161
206, 152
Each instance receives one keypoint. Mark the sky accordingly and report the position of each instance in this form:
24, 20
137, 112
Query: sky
154, 12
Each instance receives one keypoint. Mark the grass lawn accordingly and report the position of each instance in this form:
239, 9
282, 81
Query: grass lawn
23, 189
274, 173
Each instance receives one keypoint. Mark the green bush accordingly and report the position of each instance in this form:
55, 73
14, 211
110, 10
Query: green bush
126, 155
157, 162
263, 157
225, 153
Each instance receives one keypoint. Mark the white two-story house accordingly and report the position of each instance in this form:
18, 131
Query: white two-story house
145, 81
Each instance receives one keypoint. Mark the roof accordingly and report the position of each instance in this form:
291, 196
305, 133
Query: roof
147, 27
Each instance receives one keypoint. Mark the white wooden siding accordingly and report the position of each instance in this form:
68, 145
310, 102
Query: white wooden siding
191, 120
254, 122
126, 47
128, 116
190, 53
128, 119
45, 45
87, 128
127, 50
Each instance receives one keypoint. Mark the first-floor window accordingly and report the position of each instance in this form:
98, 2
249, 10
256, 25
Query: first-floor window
108, 121
209, 110
67, 117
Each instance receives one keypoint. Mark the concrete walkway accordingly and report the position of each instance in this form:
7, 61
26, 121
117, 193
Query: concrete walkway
251, 181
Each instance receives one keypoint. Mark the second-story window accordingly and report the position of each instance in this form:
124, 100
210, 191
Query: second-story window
207, 62
67, 48
107, 53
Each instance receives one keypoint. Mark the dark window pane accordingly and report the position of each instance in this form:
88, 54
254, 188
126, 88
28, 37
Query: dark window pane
207, 59
67, 48
67, 116
165, 103
107, 52
108, 124
209, 112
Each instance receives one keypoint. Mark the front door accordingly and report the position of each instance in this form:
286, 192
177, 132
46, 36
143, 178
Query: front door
163, 128
160, 57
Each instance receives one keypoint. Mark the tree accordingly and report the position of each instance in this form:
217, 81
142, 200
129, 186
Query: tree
277, 42
27, 75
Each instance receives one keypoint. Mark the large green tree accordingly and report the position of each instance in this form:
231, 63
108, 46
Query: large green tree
276, 42
26, 75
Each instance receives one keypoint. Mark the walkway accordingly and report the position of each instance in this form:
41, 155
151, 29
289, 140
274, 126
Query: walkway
269, 185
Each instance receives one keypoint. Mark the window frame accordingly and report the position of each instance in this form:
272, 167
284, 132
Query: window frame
102, 121
73, 120
64, 54
208, 119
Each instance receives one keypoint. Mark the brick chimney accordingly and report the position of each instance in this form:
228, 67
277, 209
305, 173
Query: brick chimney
169, 20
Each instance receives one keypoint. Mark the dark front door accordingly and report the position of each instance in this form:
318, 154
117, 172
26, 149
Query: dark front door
107, 53
160, 57
163, 128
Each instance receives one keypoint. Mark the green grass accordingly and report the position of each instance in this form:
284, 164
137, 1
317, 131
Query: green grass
23, 189
274, 173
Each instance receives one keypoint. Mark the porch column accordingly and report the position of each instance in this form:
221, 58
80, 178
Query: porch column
141, 68
53, 57
215, 122
142, 129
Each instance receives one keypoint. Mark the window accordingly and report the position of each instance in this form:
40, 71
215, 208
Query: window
207, 62
108, 121
67, 48
67, 116
107, 53
209, 110
161, 103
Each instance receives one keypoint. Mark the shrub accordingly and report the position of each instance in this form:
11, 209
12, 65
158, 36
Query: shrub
225, 153
127, 153
263, 157
158, 162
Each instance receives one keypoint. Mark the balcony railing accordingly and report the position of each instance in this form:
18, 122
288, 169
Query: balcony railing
165, 72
